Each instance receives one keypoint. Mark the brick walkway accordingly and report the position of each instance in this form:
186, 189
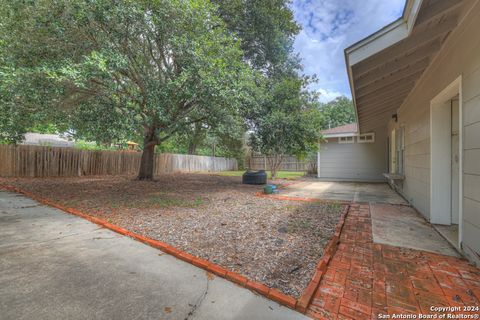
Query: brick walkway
365, 279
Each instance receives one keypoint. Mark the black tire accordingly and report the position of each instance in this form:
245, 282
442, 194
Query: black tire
254, 177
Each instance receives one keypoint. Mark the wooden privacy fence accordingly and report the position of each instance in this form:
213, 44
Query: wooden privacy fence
38, 161
289, 163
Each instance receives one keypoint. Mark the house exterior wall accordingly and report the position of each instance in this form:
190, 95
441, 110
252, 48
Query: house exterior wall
460, 56
354, 161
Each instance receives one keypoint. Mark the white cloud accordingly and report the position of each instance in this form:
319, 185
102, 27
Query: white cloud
327, 95
329, 26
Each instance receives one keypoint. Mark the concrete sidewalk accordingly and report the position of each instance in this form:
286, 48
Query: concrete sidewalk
58, 266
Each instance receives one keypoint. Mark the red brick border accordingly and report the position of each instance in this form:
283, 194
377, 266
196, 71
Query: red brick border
300, 305
332, 245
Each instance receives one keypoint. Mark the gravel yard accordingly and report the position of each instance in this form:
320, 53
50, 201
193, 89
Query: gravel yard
213, 217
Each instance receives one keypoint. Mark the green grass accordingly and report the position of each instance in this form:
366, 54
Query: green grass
280, 174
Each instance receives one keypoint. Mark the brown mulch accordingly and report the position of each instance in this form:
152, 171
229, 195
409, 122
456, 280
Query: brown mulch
216, 218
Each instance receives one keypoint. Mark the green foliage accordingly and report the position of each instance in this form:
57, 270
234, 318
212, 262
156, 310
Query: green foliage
224, 138
281, 133
229, 145
284, 120
99, 121
23, 90
17, 117
337, 112
117, 69
45, 128
182, 75
265, 27
288, 122
85, 145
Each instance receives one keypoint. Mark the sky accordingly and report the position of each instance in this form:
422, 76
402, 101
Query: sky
330, 26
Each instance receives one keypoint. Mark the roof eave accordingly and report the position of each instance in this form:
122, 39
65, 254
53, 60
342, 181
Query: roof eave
340, 135
380, 40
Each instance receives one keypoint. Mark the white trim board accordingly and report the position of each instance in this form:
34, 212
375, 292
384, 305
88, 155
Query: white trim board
380, 40
385, 37
339, 135
440, 157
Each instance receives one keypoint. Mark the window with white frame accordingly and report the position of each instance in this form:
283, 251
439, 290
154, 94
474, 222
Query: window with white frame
350, 139
366, 138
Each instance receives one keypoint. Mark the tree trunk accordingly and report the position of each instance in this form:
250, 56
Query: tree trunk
274, 169
196, 139
192, 148
147, 163
276, 161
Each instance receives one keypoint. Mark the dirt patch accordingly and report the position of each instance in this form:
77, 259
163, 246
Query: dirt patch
216, 218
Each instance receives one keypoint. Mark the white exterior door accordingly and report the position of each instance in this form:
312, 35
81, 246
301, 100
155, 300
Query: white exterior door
455, 161
440, 163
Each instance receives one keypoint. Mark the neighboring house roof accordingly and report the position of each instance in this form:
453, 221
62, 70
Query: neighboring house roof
40, 139
341, 131
384, 67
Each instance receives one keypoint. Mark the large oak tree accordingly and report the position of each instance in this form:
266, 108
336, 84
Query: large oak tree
152, 66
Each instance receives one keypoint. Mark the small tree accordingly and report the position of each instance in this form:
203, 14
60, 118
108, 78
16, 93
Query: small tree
288, 124
152, 67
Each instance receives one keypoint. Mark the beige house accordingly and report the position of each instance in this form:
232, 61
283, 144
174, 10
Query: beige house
346, 155
419, 78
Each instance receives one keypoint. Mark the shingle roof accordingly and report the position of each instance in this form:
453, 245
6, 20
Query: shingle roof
348, 128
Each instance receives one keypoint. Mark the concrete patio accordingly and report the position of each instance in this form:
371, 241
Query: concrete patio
394, 222
402, 226
390, 260
343, 191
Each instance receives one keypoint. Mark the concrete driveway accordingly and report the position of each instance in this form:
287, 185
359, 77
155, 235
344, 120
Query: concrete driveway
343, 191
58, 266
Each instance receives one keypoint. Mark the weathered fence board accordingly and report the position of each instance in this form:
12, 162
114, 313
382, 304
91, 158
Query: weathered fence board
289, 163
39, 161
